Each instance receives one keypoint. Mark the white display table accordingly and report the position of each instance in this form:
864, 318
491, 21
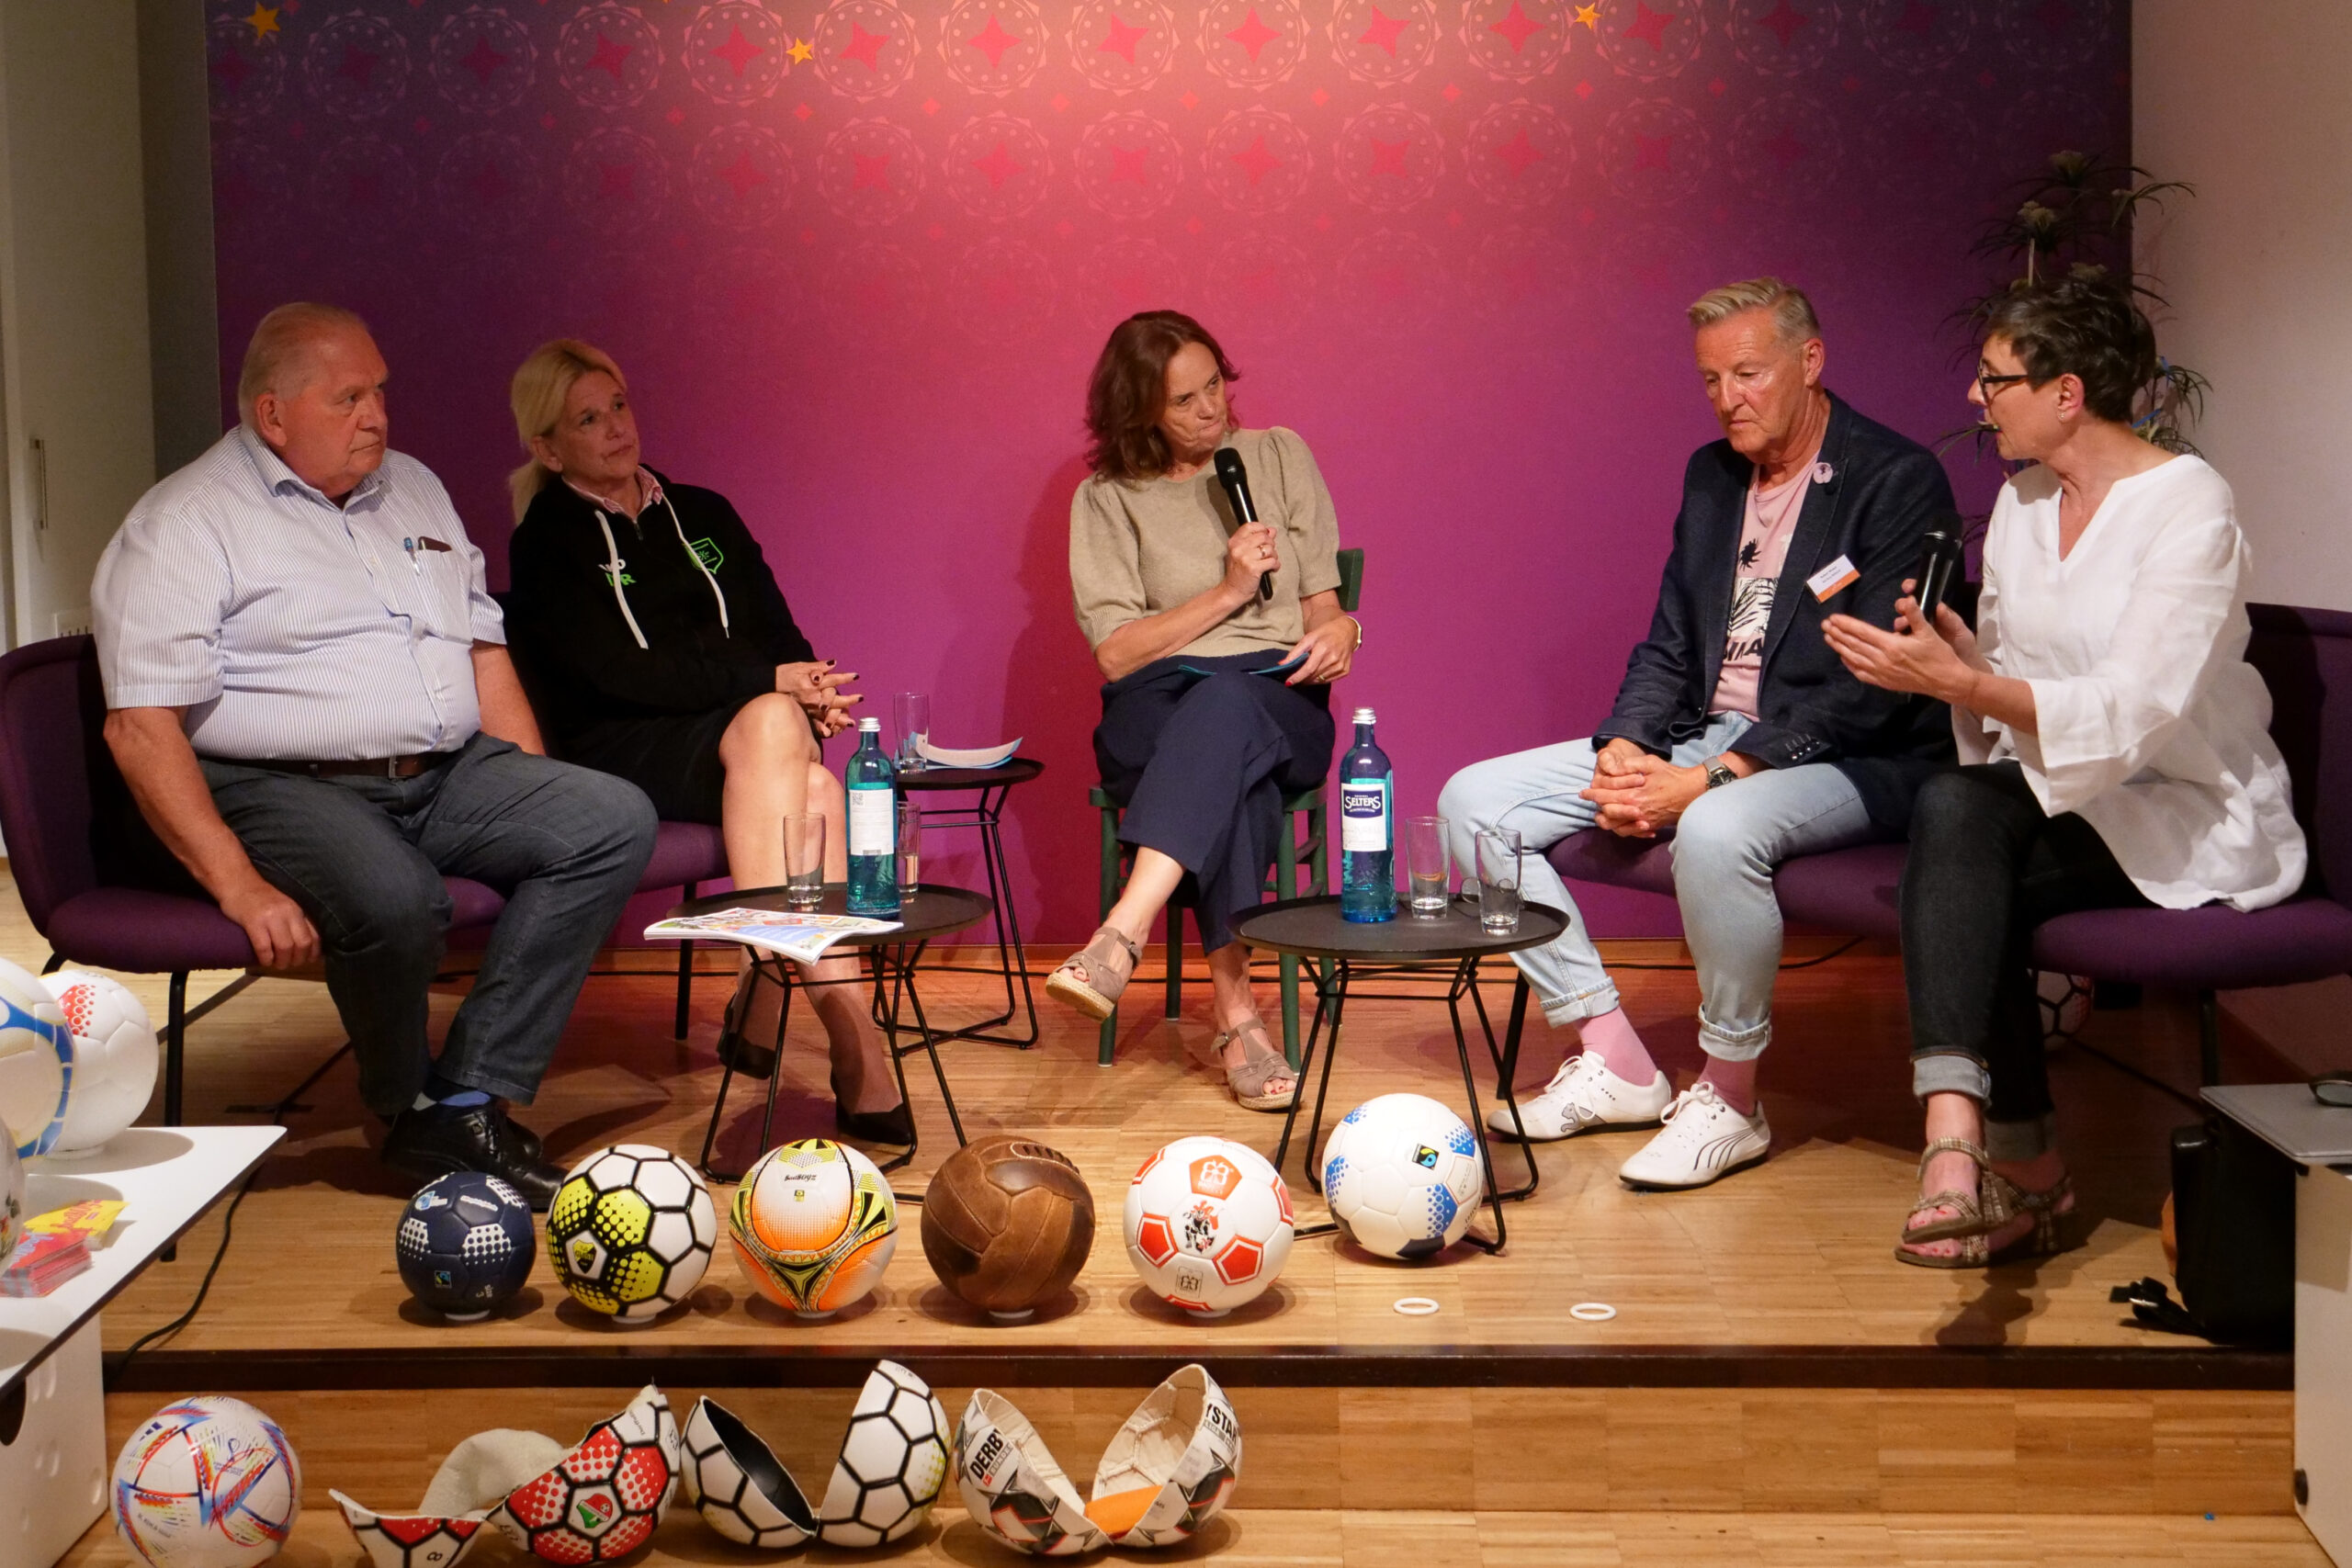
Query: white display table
54, 1462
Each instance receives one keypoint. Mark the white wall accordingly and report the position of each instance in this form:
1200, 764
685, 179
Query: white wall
72, 297
2253, 106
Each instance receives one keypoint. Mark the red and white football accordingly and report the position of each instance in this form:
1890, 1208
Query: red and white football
601, 1500
1208, 1225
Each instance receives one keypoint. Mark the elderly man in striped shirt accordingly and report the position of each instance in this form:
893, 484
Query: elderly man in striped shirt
310, 695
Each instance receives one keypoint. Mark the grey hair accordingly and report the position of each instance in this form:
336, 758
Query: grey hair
1792, 312
278, 343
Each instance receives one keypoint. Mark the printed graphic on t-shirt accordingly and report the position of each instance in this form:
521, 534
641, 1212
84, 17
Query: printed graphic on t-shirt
1751, 613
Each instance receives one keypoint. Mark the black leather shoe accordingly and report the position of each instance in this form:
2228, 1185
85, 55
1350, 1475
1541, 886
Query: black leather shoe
522, 1140
894, 1126
749, 1060
430, 1144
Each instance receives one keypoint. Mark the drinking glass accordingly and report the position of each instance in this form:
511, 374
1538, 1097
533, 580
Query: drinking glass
910, 848
1498, 852
804, 861
1426, 863
913, 710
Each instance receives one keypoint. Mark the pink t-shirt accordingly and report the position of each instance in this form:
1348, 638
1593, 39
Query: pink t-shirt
1763, 551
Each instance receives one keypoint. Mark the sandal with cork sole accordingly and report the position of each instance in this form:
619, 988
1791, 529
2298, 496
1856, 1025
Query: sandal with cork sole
1260, 1065
1093, 978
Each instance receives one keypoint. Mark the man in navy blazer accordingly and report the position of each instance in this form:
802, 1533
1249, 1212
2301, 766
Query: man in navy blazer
1736, 726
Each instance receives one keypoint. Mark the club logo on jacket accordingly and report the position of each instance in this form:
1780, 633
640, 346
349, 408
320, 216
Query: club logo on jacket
707, 552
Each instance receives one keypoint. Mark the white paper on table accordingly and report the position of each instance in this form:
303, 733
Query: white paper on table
801, 938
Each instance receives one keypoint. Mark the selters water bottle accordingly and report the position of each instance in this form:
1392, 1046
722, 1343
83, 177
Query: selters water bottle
872, 824
1367, 829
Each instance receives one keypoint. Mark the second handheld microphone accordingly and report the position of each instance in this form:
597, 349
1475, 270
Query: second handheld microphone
1939, 565
1235, 480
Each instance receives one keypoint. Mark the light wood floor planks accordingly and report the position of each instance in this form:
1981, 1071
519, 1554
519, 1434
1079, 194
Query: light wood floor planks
1259, 1538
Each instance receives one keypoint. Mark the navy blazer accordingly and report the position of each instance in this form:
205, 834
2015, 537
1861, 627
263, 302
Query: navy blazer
1883, 492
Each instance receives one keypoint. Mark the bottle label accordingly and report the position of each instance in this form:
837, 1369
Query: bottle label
1363, 817
873, 830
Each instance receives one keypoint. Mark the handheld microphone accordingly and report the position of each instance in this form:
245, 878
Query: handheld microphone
1235, 480
1939, 565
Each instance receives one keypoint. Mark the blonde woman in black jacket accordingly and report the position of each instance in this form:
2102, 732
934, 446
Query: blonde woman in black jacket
659, 648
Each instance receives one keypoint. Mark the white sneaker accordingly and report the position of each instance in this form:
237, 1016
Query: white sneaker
1704, 1139
1584, 1096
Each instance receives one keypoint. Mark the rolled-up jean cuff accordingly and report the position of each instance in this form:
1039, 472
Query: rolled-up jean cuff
1558, 1010
2014, 1141
1950, 1072
1732, 1044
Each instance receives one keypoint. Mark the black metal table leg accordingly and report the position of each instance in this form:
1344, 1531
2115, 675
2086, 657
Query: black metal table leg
1015, 959
782, 976
901, 964
1333, 991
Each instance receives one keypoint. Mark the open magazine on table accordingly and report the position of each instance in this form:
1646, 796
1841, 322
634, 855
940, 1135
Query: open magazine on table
800, 937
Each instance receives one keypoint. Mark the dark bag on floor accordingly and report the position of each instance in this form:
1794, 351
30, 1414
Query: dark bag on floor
2233, 1202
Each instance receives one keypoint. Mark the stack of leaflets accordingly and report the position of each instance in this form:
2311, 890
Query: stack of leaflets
56, 1247
786, 932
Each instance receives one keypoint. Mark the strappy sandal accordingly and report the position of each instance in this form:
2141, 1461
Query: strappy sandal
1092, 978
1991, 1206
1260, 1065
2050, 1234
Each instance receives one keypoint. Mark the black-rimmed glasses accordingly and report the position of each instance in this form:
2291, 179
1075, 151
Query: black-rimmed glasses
1987, 384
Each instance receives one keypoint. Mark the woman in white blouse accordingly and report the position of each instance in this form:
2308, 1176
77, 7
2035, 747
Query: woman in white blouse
2115, 747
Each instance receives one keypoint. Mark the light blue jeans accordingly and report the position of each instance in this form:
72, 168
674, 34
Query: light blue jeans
1724, 851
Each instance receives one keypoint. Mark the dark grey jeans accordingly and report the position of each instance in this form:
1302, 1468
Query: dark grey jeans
365, 857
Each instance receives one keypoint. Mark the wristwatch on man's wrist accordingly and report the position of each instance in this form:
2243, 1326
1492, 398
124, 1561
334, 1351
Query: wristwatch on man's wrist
1719, 772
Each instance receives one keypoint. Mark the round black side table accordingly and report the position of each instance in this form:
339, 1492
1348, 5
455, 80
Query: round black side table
891, 957
1350, 951
987, 812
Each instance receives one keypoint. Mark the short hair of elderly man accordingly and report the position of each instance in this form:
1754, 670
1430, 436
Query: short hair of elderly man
310, 697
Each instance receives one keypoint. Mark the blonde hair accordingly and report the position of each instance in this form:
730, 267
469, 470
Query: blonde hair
1792, 312
536, 394
280, 342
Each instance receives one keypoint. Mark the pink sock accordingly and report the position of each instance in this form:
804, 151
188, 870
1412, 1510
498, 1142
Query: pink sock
1735, 1081
1610, 1036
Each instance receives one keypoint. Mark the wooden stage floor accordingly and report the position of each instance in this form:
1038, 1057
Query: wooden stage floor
1769, 1355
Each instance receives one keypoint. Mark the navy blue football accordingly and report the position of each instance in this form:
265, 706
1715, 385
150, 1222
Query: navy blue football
465, 1245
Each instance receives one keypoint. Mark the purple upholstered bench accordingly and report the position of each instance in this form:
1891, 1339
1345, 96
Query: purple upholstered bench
2306, 656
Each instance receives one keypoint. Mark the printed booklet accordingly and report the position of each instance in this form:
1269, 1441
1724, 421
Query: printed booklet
800, 937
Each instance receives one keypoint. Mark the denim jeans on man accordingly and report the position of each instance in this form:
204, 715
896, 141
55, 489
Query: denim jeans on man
365, 857
1724, 849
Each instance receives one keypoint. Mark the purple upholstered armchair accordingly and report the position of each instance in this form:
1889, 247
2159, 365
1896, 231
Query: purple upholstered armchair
55, 771
2306, 656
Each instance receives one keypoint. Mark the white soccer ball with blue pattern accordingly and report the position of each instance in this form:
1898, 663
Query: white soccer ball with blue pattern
1401, 1176
36, 1063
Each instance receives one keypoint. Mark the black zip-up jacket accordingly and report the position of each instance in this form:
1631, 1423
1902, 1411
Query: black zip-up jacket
1883, 492
573, 641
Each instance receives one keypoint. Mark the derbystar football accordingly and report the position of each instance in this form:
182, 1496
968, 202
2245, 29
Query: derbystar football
815, 1225
892, 1463
1208, 1225
465, 1244
115, 1059
1401, 1176
206, 1482
601, 1500
631, 1231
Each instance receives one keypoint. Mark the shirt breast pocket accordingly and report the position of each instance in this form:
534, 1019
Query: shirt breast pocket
445, 592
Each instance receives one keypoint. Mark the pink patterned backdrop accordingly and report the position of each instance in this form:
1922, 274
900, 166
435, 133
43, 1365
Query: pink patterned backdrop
858, 256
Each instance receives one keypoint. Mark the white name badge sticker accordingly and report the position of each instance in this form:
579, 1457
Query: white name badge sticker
1839, 574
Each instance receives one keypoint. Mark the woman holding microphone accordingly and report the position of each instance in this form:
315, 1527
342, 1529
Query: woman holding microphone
2114, 740
1217, 704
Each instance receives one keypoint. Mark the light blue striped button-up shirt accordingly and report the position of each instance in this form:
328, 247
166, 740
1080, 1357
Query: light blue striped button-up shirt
290, 626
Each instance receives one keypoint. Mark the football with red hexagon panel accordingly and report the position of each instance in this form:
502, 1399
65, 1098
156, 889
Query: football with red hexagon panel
1208, 1225
601, 1500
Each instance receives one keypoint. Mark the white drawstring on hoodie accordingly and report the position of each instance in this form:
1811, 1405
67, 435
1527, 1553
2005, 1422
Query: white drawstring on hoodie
613, 565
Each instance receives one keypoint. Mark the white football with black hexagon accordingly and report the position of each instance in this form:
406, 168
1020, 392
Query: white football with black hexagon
739, 1486
892, 1464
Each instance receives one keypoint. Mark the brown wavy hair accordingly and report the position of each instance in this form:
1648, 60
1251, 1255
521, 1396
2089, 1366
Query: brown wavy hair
1128, 391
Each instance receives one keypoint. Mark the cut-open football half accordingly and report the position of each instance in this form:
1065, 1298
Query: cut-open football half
1171, 1470
600, 1499
472, 1481
738, 1484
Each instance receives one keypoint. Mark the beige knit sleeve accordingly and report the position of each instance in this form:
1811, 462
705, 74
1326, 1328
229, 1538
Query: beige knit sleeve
1106, 561
1307, 512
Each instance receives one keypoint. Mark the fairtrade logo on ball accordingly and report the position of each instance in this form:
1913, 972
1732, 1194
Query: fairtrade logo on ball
1208, 1225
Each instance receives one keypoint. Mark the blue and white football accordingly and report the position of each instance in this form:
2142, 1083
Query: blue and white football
1401, 1176
465, 1245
